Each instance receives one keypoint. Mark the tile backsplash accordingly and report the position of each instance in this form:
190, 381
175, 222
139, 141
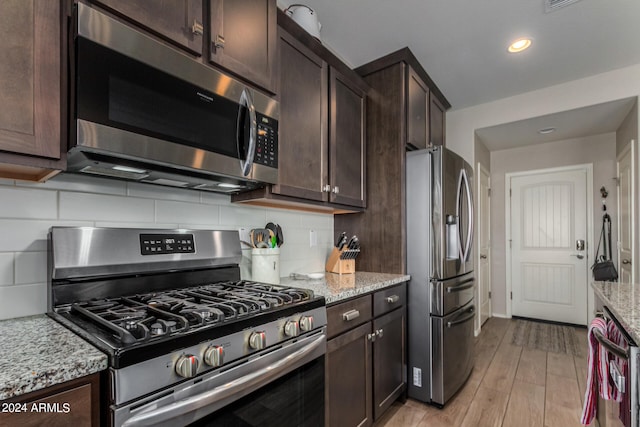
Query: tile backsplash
28, 210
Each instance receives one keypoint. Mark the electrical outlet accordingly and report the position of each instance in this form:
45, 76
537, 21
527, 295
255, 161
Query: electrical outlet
313, 238
245, 238
417, 377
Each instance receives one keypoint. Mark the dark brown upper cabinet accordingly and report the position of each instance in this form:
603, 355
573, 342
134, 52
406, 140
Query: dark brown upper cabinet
437, 122
243, 39
30, 89
312, 166
417, 111
346, 141
178, 21
303, 163
322, 138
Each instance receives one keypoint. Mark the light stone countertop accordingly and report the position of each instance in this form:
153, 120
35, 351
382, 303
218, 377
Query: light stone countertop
335, 287
624, 302
38, 352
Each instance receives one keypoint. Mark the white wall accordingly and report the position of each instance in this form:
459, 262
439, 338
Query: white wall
600, 150
28, 210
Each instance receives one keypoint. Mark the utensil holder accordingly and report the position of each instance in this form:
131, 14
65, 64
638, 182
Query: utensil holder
265, 265
342, 261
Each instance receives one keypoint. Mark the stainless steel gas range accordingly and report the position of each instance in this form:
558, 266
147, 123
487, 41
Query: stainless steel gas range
189, 343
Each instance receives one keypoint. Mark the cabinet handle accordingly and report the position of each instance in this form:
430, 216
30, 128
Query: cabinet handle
379, 333
393, 299
219, 43
326, 188
197, 28
483, 257
371, 337
335, 190
350, 315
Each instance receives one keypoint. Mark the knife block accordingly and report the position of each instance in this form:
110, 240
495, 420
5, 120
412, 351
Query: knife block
341, 266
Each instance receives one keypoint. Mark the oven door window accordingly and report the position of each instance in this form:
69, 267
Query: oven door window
294, 400
117, 91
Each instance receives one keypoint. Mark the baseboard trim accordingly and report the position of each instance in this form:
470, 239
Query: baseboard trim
501, 316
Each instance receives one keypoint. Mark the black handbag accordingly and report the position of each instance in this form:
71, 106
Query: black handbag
604, 269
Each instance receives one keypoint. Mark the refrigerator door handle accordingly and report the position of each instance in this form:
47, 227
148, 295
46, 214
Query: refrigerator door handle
463, 185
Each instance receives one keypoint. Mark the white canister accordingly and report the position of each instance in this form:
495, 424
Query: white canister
265, 265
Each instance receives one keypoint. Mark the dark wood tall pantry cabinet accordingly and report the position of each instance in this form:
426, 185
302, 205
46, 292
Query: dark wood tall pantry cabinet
405, 110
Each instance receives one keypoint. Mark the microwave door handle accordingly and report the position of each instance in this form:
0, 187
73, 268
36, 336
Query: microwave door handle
246, 100
215, 397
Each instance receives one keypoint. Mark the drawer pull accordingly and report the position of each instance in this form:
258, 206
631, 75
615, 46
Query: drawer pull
350, 315
393, 299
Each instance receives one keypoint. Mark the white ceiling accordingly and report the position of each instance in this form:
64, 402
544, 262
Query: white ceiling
581, 122
462, 44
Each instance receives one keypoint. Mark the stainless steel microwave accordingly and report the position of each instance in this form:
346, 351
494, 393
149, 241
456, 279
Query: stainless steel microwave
144, 111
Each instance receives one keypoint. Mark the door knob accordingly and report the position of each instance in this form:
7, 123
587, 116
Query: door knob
579, 256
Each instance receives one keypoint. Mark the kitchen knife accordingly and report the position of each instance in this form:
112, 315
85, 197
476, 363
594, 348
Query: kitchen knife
342, 240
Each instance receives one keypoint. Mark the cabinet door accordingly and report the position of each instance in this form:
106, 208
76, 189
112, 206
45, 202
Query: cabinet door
179, 21
436, 121
30, 77
74, 403
417, 110
302, 154
243, 39
348, 379
389, 365
346, 141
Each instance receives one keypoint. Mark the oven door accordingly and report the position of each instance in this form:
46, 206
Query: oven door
277, 387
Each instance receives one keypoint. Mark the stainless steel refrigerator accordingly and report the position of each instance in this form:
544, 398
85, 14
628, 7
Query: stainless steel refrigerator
440, 261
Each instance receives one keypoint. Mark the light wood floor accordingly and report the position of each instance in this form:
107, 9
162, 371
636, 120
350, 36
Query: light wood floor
509, 386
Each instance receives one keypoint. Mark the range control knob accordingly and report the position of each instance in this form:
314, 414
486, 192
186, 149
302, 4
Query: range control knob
187, 365
258, 340
291, 328
306, 323
214, 355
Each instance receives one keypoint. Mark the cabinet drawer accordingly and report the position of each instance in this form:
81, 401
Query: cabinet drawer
389, 299
347, 315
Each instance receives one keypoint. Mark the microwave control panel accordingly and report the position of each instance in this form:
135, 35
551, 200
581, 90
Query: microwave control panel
158, 244
267, 142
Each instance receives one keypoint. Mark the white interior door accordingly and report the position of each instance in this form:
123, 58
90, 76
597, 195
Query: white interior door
625, 216
484, 244
548, 273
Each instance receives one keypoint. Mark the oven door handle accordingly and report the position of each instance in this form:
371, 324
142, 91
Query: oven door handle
610, 346
219, 395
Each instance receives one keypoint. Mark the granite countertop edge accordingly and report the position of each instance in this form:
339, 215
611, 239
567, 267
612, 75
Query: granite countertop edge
335, 288
39, 352
624, 304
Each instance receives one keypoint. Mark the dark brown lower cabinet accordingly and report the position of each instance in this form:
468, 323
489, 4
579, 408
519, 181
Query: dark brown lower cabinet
74, 403
365, 361
348, 383
389, 368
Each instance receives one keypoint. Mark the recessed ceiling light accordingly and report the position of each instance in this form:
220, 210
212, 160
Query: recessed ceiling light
519, 45
546, 131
